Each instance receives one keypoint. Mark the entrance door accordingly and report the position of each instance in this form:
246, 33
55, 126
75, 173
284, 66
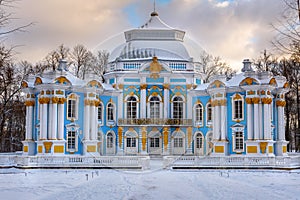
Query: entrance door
110, 144
178, 143
154, 143
198, 144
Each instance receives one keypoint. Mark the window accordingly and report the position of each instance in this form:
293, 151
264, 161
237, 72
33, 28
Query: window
154, 108
72, 107
209, 114
177, 108
199, 114
238, 141
238, 107
109, 140
178, 142
71, 140
130, 142
100, 112
131, 108
110, 112
154, 142
199, 141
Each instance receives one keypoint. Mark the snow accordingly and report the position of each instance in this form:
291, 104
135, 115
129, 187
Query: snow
151, 184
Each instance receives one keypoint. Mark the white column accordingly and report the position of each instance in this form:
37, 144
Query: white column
214, 117
143, 101
267, 122
166, 101
54, 121
60, 119
256, 122
86, 124
30, 121
41, 119
92, 122
260, 121
45, 121
249, 121
280, 113
223, 122
27, 123
50, 121
218, 123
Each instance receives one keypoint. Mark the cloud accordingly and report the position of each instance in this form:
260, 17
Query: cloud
232, 29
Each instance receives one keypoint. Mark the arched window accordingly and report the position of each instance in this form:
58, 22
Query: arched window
110, 112
72, 107
198, 114
100, 113
131, 108
208, 114
178, 108
154, 108
238, 107
109, 140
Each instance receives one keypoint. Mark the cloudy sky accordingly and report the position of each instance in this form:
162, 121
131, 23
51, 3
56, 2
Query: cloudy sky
231, 29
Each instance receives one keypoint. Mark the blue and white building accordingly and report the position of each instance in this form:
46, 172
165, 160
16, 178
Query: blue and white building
153, 101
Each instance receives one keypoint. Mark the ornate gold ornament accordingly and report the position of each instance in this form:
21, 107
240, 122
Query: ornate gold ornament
249, 100
166, 86
189, 134
263, 146
54, 100
24, 84
144, 137
166, 136
30, 103
266, 100
38, 81
280, 103
155, 68
255, 100
120, 135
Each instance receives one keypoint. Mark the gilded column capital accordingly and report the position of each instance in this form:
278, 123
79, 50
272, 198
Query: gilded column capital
280, 103
266, 100
222, 102
29, 103
256, 100
55, 100
166, 86
143, 86
86, 102
62, 100
249, 100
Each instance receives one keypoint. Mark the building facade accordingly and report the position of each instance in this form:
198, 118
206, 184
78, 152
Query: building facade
153, 101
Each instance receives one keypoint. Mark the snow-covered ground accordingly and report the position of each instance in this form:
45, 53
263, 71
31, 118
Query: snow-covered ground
151, 184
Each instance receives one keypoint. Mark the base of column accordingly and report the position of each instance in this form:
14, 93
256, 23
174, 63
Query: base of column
260, 147
220, 148
90, 148
29, 147
281, 148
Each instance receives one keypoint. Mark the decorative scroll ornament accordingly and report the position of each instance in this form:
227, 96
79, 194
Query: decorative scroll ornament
166, 136
120, 134
144, 138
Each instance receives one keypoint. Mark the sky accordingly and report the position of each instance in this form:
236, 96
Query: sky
231, 29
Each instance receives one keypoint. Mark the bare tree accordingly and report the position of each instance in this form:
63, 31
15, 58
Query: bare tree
213, 66
79, 58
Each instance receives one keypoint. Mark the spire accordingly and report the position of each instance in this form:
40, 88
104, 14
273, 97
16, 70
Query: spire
154, 13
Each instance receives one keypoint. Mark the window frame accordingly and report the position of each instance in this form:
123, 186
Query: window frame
110, 120
198, 112
149, 107
174, 112
238, 129
73, 113
72, 128
131, 109
238, 107
209, 114
100, 120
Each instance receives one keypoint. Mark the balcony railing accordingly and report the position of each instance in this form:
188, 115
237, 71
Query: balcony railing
144, 121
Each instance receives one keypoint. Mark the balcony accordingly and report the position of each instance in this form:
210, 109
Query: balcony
158, 122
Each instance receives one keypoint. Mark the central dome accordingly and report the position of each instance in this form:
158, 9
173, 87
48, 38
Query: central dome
155, 38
